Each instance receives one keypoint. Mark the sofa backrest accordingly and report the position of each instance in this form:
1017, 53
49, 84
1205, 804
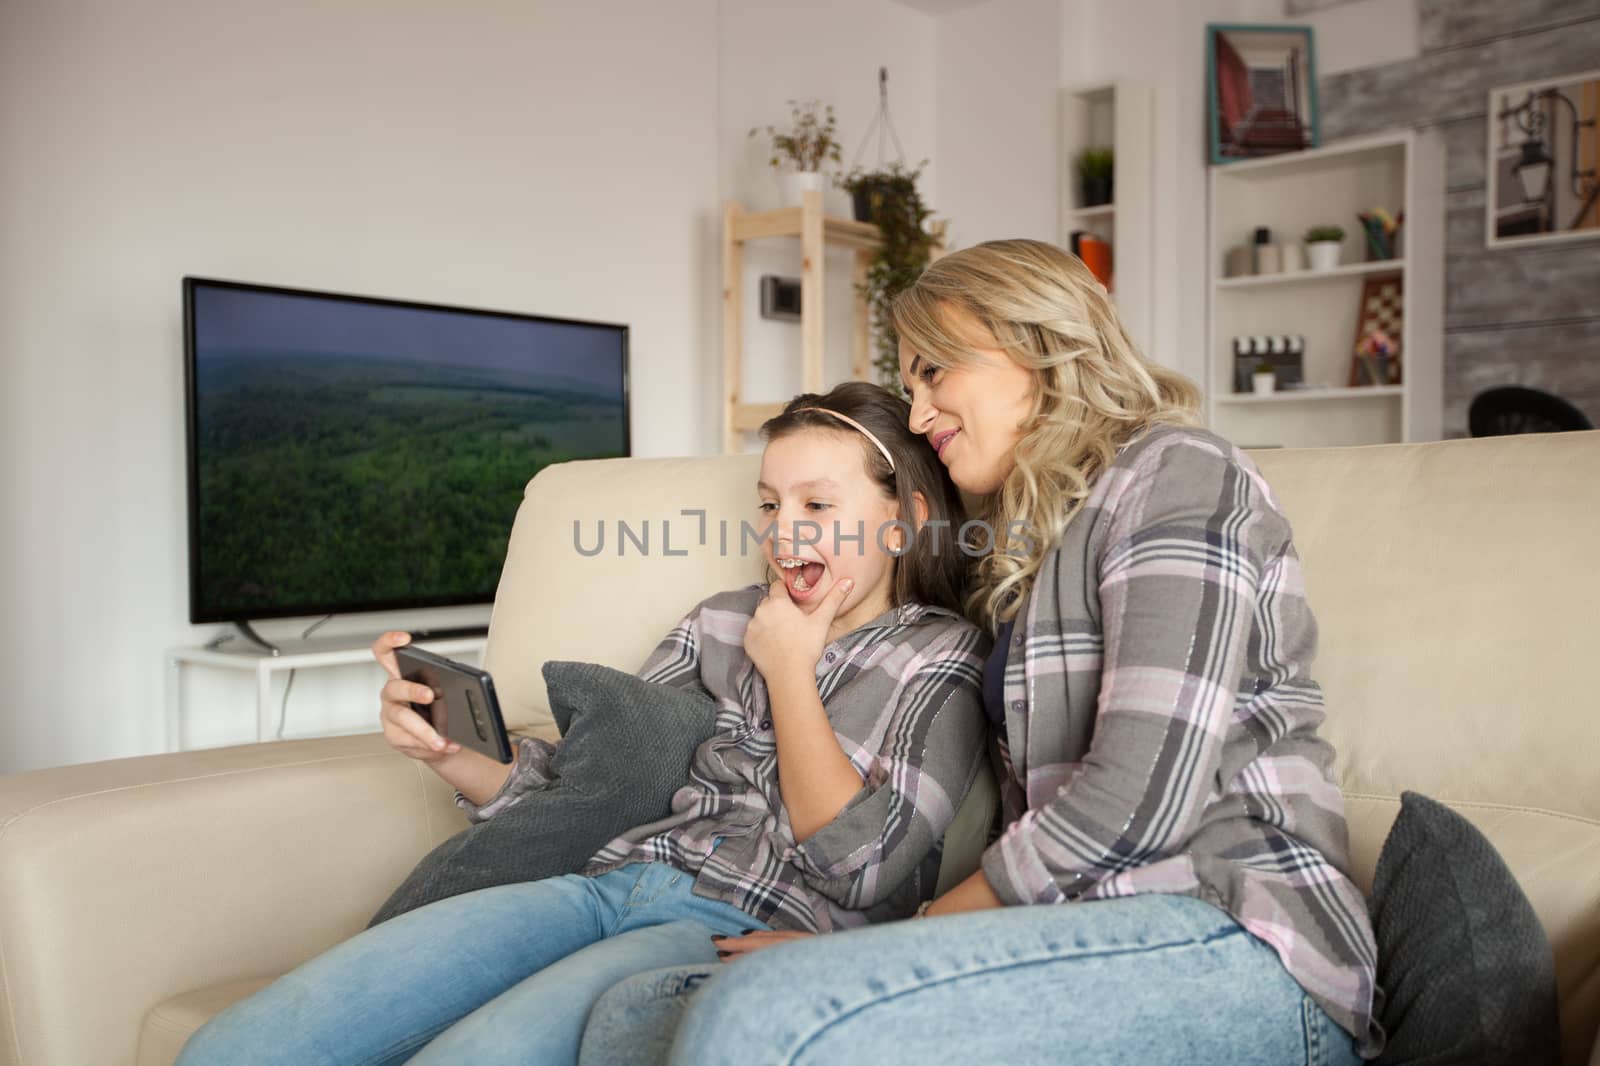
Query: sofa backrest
1452, 583
1457, 593
614, 605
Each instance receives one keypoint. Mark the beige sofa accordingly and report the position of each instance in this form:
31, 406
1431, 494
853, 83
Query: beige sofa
1455, 583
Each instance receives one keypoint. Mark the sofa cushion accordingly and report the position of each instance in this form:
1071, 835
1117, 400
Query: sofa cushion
625, 749
1463, 961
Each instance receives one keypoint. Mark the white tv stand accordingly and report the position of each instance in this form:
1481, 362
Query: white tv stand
295, 655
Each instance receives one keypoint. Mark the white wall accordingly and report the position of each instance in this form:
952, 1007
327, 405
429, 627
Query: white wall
829, 50
973, 91
1162, 42
533, 155
530, 155
996, 77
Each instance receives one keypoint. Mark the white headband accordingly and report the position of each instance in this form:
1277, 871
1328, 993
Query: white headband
865, 432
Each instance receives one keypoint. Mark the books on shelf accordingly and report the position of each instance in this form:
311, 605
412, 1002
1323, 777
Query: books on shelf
1096, 255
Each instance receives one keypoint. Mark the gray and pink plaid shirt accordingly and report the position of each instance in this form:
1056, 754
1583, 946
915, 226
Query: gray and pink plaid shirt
902, 695
1161, 720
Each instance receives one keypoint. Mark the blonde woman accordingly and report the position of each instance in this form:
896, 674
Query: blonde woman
1171, 882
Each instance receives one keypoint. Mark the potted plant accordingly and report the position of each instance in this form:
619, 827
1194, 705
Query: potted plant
799, 152
1095, 168
889, 198
1264, 381
1322, 246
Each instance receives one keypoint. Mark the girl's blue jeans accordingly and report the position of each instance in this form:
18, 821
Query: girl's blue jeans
1148, 980
503, 975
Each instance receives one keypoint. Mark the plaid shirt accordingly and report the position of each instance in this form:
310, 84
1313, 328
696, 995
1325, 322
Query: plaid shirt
1162, 720
902, 694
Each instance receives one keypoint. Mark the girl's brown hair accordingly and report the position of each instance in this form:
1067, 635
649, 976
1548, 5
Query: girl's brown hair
931, 569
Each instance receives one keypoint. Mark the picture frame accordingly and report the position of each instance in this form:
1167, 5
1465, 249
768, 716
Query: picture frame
1543, 163
1261, 88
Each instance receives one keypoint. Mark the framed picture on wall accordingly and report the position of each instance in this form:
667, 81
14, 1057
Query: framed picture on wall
1544, 161
1262, 90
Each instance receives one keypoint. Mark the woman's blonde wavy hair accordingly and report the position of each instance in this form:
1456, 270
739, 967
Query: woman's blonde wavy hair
1093, 391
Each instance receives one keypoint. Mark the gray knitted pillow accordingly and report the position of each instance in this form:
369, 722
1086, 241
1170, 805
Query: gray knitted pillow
1463, 962
625, 749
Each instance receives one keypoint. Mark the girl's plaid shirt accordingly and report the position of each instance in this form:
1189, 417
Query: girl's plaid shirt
903, 695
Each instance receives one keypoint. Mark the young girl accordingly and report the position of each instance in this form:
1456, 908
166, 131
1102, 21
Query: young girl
802, 813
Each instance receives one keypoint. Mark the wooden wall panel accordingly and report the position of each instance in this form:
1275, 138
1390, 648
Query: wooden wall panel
1521, 315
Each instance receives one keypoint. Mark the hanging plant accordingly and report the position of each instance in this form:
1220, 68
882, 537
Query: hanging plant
893, 204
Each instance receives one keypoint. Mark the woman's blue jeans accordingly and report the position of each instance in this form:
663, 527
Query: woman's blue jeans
1150, 979
502, 975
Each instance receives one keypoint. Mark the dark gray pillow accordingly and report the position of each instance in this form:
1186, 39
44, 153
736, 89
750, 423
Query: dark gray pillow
1463, 962
625, 749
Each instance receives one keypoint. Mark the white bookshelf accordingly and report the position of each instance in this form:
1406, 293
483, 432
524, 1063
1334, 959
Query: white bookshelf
1313, 395
1119, 115
1400, 170
1309, 277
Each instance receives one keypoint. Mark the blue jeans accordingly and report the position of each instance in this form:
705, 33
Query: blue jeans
1151, 979
502, 975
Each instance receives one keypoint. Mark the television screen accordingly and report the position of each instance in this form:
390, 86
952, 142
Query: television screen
349, 453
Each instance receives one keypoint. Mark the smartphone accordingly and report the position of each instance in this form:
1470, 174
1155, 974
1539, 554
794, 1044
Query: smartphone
464, 707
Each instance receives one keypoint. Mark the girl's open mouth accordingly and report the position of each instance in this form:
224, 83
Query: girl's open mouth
802, 576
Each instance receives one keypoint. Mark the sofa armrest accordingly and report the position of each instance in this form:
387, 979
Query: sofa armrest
123, 883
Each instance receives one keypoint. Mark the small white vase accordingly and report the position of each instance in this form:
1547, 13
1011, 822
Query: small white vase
1264, 382
1324, 255
796, 182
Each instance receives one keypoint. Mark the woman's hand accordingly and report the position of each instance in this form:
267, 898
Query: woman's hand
733, 947
405, 730
781, 637
972, 894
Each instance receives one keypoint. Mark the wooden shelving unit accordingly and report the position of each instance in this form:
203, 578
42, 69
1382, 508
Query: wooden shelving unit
816, 231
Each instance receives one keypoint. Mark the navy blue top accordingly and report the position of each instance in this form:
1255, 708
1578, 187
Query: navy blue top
994, 675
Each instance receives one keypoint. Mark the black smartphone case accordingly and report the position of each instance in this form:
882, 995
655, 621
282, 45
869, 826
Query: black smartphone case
464, 707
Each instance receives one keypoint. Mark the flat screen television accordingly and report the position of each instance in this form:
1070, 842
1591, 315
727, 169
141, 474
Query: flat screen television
348, 453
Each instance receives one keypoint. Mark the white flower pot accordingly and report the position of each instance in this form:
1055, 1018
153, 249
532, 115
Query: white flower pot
1264, 382
796, 182
1324, 255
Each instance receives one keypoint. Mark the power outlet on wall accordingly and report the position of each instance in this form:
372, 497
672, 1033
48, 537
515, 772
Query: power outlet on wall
780, 297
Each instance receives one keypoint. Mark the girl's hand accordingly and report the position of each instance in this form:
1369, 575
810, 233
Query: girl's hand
783, 637
383, 650
405, 730
973, 894
732, 947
